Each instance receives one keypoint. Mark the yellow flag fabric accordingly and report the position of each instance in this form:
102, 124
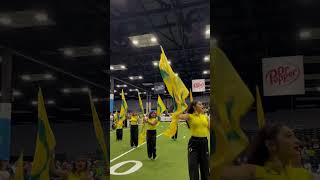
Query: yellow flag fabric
140, 103
124, 108
160, 106
143, 130
176, 89
191, 98
45, 143
19, 174
231, 100
260, 112
98, 130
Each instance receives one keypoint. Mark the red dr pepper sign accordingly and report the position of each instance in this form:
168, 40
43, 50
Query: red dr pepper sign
198, 85
283, 76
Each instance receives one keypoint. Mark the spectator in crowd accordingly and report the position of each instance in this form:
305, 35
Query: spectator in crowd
4, 174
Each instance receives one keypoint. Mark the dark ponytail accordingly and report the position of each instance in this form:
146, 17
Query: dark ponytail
258, 152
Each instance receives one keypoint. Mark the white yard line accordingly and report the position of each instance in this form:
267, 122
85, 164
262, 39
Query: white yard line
130, 150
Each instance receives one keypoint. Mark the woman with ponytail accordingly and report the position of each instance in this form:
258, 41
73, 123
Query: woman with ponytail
198, 150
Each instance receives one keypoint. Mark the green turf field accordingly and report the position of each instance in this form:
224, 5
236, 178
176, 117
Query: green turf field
172, 162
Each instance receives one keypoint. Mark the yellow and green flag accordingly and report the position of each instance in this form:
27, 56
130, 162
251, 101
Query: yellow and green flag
124, 108
45, 143
191, 98
98, 130
19, 174
176, 89
140, 103
143, 131
231, 100
260, 112
160, 106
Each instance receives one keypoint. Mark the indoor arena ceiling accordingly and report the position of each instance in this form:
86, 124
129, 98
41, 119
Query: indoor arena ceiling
69, 35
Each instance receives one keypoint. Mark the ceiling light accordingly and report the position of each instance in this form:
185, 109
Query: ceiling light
123, 67
155, 63
41, 17
5, 20
68, 52
152, 88
115, 91
305, 34
97, 50
206, 58
131, 77
51, 102
169, 62
16, 93
48, 76
84, 89
135, 42
207, 32
153, 39
140, 77
111, 68
26, 77
205, 72
66, 90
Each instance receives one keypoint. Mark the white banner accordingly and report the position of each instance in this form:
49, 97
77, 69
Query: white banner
198, 85
283, 76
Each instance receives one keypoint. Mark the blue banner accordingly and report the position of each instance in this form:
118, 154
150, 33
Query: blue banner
5, 139
111, 102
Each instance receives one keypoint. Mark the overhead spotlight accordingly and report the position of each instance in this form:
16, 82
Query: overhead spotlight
66, 90
130, 77
153, 39
205, 72
51, 102
48, 76
169, 62
26, 77
5, 20
16, 93
123, 67
305, 34
41, 17
155, 63
118, 86
97, 50
135, 42
115, 91
152, 88
206, 58
111, 68
68, 52
176, 74
85, 89
208, 32
140, 77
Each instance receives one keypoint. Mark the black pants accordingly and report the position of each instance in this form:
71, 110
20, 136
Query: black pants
198, 156
175, 136
119, 134
134, 135
151, 143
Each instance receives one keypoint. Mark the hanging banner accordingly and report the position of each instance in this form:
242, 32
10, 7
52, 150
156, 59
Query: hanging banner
5, 133
198, 85
283, 76
111, 102
159, 88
